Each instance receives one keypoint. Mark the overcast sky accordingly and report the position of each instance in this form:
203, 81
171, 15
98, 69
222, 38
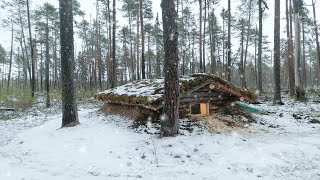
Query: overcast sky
89, 7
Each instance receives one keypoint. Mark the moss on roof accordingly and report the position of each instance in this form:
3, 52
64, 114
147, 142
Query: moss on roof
149, 93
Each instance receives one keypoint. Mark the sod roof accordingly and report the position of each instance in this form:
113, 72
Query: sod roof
148, 93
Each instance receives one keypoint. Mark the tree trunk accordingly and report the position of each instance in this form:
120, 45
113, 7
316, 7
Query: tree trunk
247, 41
133, 72
317, 35
200, 36
183, 41
55, 59
69, 106
204, 37
304, 74
260, 49
143, 63
212, 43
291, 60
242, 81
158, 73
33, 82
114, 73
138, 54
277, 64
47, 66
170, 121
223, 70
229, 43
300, 94
10, 63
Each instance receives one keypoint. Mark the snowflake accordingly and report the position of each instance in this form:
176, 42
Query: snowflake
163, 117
83, 149
234, 134
171, 36
150, 99
211, 86
149, 123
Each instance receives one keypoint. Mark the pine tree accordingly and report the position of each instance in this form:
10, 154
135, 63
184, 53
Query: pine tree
277, 65
69, 106
170, 121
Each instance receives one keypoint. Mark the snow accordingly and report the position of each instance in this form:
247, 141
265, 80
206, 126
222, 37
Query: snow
279, 146
139, 88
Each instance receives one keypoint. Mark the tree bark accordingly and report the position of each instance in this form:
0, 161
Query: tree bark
242, 80
10, 63
200, 36
277, 64
300, 94
317, 35
260, 49
138, 53
170, 121
114, 73
204, 37
33, 82
158, 73
69, 106
47, 66
290, 49
143, 63
229, 42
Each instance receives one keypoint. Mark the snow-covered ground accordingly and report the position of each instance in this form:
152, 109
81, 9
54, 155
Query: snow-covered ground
282, 145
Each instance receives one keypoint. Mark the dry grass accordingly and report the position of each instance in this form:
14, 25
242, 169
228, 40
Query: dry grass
133, 112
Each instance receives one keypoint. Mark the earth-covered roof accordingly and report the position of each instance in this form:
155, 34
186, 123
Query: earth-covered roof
148, 93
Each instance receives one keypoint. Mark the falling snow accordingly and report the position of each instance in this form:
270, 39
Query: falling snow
103, 147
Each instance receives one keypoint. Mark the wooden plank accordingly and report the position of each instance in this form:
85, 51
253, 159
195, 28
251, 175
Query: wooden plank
204, 108
195, 88
230, 91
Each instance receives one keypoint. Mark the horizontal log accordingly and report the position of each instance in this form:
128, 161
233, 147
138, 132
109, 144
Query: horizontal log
205, 99
197, 94
6, 109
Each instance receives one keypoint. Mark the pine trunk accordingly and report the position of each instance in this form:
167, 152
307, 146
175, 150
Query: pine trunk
170, 121
69, 106
277, 64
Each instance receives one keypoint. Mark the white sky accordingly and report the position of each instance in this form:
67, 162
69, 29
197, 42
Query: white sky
89, 7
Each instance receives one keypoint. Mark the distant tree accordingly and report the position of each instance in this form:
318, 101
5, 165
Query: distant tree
277, 64
143, 63
69, 106
229, 43
290, 49
200, 36
300, 94
2, 54
170, 122
10, 59
44, 15
114, 74
157, 32
316, 32
33, 78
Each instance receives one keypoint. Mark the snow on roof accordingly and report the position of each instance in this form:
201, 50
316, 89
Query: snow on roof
146, 87
150, 91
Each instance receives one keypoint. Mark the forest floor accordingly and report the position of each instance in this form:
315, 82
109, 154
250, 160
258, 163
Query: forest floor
283, 143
